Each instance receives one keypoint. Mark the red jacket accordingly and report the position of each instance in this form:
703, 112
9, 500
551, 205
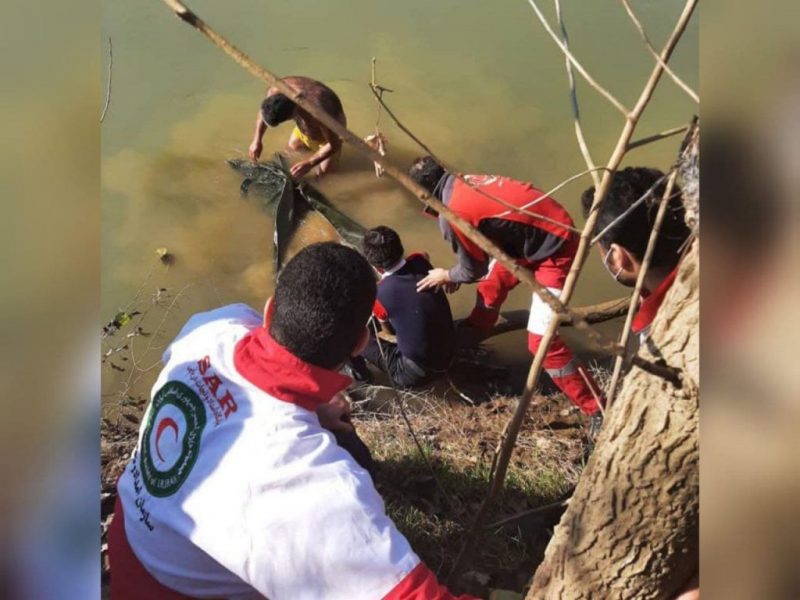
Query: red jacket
472, 205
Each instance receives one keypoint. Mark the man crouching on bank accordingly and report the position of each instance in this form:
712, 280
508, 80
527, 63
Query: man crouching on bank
237, 487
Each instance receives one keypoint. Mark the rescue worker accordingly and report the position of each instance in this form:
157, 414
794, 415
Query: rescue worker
422, 322
308, 134
623, 245
237, 488
545, 247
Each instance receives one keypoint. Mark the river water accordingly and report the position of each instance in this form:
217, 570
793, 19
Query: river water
480, 82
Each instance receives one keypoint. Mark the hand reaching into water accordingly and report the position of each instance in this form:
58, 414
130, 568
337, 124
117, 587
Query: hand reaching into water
255, 149
300, 169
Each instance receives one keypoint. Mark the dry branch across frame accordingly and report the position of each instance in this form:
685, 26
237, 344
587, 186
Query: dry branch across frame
594, 339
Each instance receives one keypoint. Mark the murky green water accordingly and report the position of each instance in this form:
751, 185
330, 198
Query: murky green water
479, 82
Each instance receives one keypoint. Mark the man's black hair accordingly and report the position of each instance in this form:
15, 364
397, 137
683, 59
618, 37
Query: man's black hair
633, 231
427, 172
276, 109
323, 299
382, 247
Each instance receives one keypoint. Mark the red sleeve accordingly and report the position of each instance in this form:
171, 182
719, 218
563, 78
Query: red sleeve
421, 584
380, 312
424, 255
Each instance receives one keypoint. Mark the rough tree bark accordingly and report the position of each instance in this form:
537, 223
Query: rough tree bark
631, 528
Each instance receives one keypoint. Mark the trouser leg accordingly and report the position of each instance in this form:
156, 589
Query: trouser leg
564, 369
403, 372
492, 291
569, 374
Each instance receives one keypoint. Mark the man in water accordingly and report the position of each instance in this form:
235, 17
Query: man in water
545, 246
308, 134
237, 487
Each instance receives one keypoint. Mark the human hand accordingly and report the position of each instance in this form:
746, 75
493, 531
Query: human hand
451, 287
301, 168
435, 278
255, 149
335, 414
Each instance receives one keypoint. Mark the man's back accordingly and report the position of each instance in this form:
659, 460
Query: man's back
422, 321
316, 92
235, 490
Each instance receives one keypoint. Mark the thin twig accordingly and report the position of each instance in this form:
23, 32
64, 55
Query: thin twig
624, 214
108, 86
374, 87
657, 136
678, 81
191, 18
589, 385
573, 92
589, 79
401, 405
596, 341
560, 503
637, 290
508, 441
504, 203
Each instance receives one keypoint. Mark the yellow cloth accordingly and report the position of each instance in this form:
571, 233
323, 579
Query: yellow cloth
312, 145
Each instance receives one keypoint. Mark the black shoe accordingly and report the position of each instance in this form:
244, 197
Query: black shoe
357, 368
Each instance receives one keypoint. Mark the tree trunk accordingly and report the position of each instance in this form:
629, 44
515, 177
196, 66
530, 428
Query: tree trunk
631, 528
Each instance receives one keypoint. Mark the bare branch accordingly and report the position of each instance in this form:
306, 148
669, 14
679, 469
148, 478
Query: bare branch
188, 16
512, 208
629, 210
508, 441
678, 81
514, 320
589, 79
657, 136
108, 86
637, 290
576, 112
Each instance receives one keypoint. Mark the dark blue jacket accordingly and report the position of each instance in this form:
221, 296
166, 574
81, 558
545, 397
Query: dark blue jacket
422, 321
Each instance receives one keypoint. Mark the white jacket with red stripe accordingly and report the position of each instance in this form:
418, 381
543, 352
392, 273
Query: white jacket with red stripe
236, 491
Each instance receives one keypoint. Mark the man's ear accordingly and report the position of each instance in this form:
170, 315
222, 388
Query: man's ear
622, 261
362, 343
269, 308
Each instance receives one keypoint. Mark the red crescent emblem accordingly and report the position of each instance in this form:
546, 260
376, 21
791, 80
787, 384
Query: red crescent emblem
165, 423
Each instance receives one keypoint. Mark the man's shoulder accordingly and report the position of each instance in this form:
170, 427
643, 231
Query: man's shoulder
418, 263
239, 314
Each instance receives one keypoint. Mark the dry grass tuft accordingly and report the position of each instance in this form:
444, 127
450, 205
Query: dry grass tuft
433, 508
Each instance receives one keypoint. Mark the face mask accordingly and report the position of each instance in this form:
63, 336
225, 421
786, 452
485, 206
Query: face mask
605, 264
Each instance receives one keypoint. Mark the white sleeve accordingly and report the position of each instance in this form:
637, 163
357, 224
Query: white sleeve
325, 533
225, 316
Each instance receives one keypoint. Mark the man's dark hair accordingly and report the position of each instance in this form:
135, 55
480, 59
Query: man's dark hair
382, 247
427, 172
323, 299
633, 231
276, 109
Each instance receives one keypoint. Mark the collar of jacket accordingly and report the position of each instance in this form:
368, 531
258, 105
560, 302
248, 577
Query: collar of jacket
272, 368
652, 302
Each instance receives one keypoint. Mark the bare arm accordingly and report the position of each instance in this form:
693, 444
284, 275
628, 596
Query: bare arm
332, 146
255, 146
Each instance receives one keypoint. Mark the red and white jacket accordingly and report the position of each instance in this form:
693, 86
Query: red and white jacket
236, 491
648, 308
